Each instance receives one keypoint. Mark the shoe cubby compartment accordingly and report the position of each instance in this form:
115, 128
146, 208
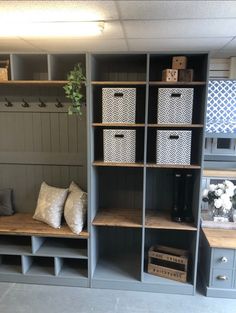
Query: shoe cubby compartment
118, 254
197, 62
38, 266
15, 245
71, 268
122, 205
10, 264
122, 67
60, 247
62, 64
195, 149
164, 193
30, 66
179, 239
139, 102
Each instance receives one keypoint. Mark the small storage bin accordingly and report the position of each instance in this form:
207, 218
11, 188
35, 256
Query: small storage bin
118, 105
119, 145
173, 147
175, 106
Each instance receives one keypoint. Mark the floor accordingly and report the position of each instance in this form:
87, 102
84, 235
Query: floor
20, 298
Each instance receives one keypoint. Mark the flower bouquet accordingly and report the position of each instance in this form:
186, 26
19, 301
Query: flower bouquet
221, 199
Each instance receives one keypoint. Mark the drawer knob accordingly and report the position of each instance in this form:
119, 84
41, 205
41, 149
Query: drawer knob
222, 277
224, 259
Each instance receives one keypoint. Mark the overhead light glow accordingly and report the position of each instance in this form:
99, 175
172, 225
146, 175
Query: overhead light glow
51, 29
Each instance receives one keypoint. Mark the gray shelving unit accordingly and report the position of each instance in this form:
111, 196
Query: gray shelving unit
130, 204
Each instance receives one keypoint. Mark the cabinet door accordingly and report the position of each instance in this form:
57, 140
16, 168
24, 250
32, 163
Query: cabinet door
222, 278
223, 258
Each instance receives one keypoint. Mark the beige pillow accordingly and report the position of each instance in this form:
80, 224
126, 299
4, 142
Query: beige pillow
76, 208
50, 205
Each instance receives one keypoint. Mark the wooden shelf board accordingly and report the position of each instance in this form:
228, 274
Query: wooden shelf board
176, 125
118, 83
33, 82
161, 220
160, 83
191, 166
117, 125
24, 224
119, 217
102, 163
219, 173
220, 238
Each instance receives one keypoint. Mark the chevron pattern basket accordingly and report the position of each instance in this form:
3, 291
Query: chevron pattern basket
175, 106
118, 105
173, 147
119, 145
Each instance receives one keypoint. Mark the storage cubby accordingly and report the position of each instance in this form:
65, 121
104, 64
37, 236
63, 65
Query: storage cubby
6, 57
10, 264
15, 244
119, 67
184, 240
71, 268
37, 266
62, 64
122, 205
197, 62
30, 67
97, 103
118, 254
62, 247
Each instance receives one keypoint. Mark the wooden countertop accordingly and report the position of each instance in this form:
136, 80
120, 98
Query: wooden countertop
220, 238
220, 173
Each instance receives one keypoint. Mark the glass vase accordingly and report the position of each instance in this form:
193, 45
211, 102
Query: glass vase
219, 214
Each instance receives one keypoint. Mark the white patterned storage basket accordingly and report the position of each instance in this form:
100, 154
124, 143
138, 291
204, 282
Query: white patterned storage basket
119, 145
173, 147
175, 106
118, 105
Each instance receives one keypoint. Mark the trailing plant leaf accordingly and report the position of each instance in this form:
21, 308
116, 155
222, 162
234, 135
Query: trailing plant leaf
73, 89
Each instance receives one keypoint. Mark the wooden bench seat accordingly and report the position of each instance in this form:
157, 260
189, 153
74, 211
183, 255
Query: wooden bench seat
24, 224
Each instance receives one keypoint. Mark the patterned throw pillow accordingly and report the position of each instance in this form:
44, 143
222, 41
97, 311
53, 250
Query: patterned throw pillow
50, 205
76, 208
6, 207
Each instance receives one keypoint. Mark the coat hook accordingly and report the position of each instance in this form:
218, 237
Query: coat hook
25, 104
9, 103
42, 104
59, 104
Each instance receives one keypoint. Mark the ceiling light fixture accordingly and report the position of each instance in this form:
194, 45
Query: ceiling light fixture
58, 29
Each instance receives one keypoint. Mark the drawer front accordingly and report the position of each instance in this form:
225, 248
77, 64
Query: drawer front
223, 258
222, 278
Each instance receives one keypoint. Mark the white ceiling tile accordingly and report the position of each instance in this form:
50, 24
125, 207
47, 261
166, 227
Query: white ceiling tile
16, 45
80, 45
203, 44
180, 28
58, 10
176, 9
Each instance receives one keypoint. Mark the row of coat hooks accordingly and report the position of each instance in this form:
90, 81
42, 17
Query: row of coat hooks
26, 104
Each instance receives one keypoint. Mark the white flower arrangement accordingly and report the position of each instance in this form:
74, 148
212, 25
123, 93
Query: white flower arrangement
221, 197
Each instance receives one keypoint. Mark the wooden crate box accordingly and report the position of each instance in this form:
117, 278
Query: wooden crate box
170, 75
168, 262
4, 70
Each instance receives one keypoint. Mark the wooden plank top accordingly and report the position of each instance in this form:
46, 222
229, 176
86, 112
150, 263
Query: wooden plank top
162, 220
220, 238
102, 163
219, 173
24, 224
119, 217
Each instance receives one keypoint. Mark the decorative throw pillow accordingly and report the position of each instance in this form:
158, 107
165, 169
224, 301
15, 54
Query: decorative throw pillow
50, 205
76, 208
6, 207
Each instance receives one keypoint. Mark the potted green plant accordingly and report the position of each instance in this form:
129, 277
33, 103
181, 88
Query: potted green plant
73, 89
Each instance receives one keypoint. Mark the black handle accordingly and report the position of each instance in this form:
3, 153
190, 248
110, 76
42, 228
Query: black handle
118, 94
176, 95
25, 104
41, 104
8, 104
173, 137
59, 104
119, 136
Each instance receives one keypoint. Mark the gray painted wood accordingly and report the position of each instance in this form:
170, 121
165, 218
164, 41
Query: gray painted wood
37, 243
26, 263
58, 263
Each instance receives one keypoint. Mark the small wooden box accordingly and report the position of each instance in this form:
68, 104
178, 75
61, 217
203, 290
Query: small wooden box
4, 70
179, 62
168, 262
185, 75
170, 75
